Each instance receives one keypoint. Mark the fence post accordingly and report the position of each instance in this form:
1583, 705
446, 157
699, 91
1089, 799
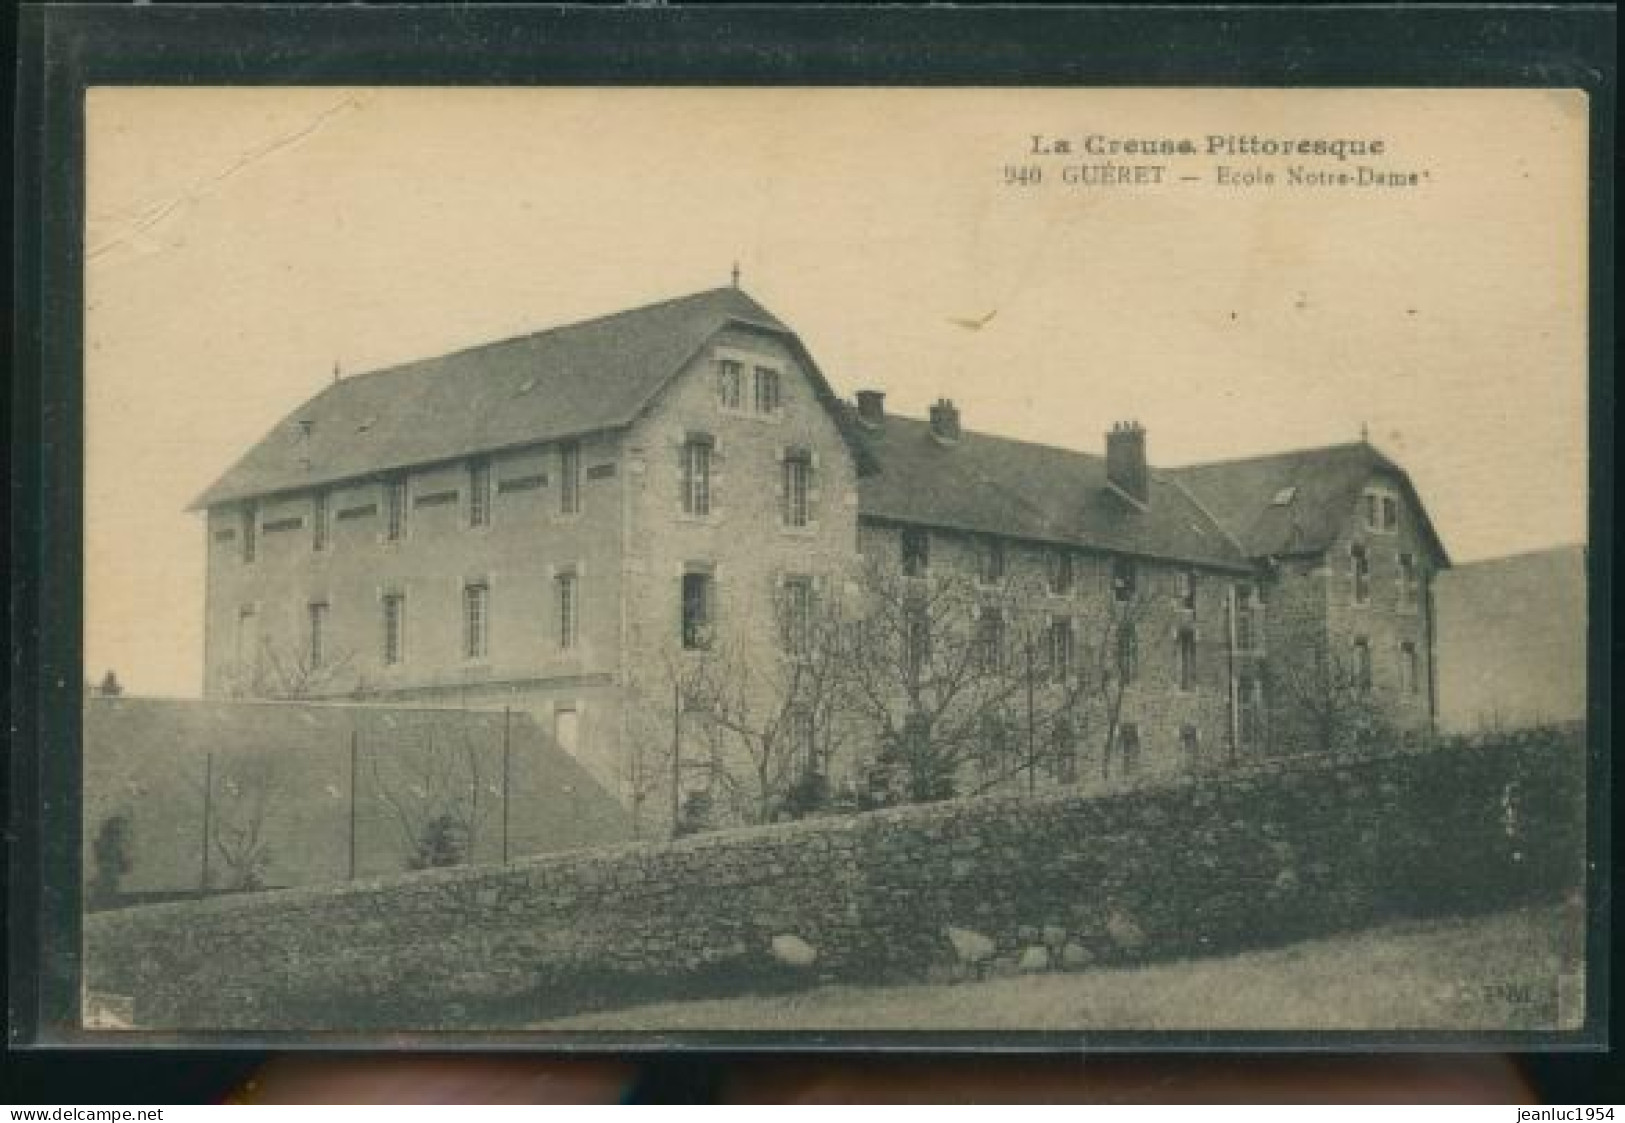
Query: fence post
354, 776
507, 750
208, 811
676, 758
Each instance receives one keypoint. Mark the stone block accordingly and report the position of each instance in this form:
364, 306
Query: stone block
969, 945
1075, 957
1054, 936
1033, 960
793, 951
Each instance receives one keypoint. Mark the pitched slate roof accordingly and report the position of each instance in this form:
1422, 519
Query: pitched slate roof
1318, 491
994, 485
580, 378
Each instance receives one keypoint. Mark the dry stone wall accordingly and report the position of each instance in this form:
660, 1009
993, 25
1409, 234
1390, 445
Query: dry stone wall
929, 892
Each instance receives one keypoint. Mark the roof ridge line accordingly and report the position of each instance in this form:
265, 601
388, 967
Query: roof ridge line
991, 436
517, 337
1261, 456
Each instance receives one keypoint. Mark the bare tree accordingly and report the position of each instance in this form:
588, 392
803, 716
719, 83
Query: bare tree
1051, 708
928, 666
1116, 658
245, 790
284, 672
1327, 693
436, 794
771, 719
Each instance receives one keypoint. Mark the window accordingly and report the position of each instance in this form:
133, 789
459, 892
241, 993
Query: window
569, 609
1187, 659
917, 643
1128, 744
1409, 679
1187, 589
1362, 665
797, 489
476, 620
1381, 509
319, 521
479, 493
990, 560
797, 615
251, 526
394, 628
316, 652
566, 728
1189, 744
916, 546
1059, 643
1125, 579
803, 744
1410, 587
1250, 699
697, 476
1246, 619
1064, 749
570, 479
1060, 573
990, 639
730, 383
1360, 558
767, 390
248, 639
395, 509
1128, 653
697, 611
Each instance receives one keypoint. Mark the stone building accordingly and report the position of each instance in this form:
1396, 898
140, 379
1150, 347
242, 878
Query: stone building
574, 522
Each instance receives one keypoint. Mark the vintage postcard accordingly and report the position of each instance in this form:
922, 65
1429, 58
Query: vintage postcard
689, 561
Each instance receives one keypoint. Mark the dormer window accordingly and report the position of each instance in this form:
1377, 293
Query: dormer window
1381, 508
768, 398
730, 383
1284, 497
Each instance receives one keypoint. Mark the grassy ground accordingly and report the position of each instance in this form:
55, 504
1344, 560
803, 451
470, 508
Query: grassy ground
1499, 971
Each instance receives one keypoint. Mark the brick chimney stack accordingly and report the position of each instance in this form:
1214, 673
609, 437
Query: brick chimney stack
872, 407
945, 420
1125, 461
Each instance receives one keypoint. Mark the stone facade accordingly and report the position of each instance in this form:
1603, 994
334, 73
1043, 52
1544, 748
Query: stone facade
491, 579
1150, 869
1317, 607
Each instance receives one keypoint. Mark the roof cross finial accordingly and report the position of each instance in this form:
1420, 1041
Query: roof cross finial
736, 274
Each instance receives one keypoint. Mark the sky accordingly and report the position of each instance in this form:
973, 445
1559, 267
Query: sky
243, 243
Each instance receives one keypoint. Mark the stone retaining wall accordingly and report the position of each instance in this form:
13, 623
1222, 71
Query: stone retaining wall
940, 891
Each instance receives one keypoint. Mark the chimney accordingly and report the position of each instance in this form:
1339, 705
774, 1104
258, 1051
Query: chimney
945, 420
872, 407
1125, 461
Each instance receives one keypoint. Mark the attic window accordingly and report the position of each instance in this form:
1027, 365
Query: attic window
366, 423
1285, 496
526, 386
